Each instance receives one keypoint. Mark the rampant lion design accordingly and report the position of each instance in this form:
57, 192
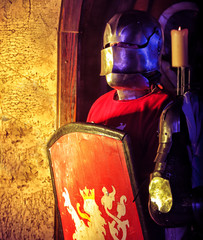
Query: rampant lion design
94, 229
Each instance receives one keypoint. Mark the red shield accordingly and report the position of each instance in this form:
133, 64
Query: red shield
94, 183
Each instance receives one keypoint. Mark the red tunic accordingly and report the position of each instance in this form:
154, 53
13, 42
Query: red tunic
139, 118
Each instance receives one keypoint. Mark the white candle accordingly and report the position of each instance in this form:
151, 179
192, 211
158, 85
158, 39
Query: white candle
179, 47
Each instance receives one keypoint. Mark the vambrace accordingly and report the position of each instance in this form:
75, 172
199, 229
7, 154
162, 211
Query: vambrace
170, 200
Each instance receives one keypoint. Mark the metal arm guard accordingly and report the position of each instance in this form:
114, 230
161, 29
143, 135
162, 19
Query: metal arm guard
173, 165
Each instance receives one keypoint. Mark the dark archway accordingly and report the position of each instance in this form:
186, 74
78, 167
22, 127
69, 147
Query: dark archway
80, 35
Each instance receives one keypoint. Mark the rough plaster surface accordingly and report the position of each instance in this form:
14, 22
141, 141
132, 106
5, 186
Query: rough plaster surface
28, 77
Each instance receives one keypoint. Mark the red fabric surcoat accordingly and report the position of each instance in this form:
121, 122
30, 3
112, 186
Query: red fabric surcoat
139, 118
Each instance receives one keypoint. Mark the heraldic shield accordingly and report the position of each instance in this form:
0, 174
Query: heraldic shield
94, 183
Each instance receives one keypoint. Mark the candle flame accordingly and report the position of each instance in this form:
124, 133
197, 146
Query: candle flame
179, 29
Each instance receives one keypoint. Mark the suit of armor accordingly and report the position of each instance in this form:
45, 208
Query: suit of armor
130, 62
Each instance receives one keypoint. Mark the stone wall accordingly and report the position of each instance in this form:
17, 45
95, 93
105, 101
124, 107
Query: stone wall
28, 85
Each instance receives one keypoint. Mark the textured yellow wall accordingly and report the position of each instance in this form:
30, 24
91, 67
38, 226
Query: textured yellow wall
28, 78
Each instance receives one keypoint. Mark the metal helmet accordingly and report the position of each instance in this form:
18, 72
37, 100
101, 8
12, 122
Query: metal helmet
132, 45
